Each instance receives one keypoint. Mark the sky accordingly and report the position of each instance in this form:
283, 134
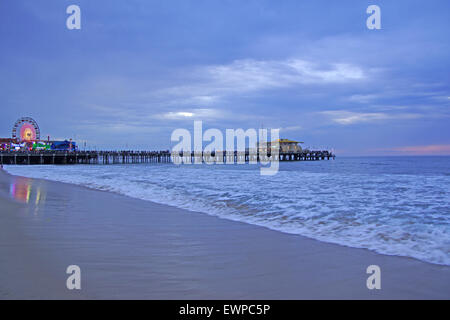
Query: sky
139, 69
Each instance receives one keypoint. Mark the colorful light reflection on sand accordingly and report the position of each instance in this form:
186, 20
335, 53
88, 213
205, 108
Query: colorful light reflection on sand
23, 190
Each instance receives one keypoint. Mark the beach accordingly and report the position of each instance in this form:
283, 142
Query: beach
134, 249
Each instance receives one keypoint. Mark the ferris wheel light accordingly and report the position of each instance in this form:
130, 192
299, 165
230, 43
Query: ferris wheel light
27, 128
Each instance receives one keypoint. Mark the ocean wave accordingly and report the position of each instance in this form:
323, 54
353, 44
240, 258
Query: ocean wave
395, 214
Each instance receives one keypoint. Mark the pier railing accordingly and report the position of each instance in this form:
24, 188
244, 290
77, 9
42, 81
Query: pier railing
165, 156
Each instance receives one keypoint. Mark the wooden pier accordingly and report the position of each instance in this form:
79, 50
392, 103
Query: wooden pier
134, 157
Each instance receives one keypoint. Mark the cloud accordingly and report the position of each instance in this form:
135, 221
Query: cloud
209, 84
249, 74
345, 117
262, 74
177, 115
203, 114
292, 128
363, 98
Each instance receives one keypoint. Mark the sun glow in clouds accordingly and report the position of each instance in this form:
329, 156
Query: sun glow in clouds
195, 113
185, 114
178, 115
443, 149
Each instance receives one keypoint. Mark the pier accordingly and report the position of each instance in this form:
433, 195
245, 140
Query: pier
165, 156
25, 147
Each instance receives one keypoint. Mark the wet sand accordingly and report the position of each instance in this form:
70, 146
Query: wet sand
133, 249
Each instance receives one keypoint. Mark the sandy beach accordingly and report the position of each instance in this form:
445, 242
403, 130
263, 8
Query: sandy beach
134, 249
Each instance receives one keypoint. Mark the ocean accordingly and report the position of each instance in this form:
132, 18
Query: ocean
391, 205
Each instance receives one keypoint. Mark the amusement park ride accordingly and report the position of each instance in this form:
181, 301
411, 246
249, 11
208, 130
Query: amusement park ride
26, 136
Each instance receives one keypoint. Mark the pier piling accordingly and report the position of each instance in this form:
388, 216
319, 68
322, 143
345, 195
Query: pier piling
136, 157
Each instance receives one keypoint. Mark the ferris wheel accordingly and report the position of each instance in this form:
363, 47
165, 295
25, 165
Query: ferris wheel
26, 129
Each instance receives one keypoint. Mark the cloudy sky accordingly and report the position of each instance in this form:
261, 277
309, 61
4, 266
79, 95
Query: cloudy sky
139, 69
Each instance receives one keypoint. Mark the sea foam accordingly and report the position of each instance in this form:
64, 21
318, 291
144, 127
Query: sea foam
367, 203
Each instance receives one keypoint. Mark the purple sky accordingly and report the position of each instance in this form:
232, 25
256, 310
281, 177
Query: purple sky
137, 70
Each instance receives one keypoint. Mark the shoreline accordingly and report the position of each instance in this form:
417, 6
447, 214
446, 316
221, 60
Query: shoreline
227, 218
224, 218
182, 254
